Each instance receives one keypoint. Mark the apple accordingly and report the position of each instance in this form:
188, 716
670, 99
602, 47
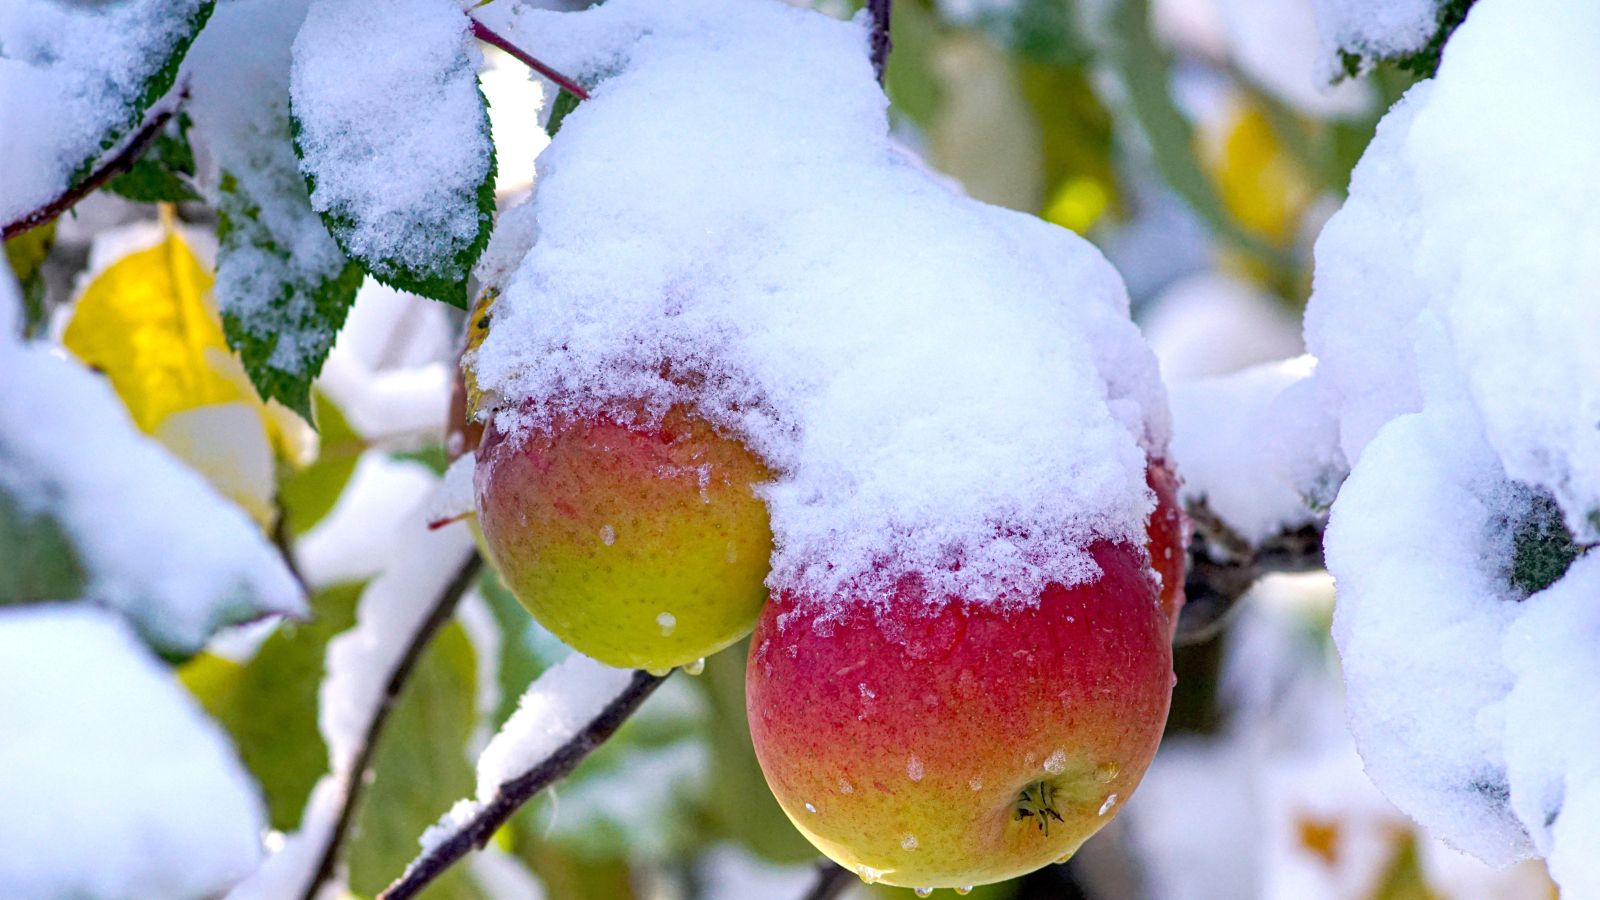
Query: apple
1168, 538
640, 542
967, 743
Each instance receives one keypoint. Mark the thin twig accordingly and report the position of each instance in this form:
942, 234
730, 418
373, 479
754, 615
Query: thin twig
1223, 566
832, 881
488, 35
881, 12
116, 165
356, 777
476, 832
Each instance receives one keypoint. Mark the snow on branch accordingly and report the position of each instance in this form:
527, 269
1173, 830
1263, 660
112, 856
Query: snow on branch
489, 36
540, 745
1223, 566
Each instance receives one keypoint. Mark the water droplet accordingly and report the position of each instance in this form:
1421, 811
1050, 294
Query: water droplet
1057, 763
845, 787
869, 874
810, 808
1105, 773
1106, 806
909, 842
696, 667
668, 622
976, 784
608, 535
1064, 859
659, 673
914, 768
964, 890
924, 892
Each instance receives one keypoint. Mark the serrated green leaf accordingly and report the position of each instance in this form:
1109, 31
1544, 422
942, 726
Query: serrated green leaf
565, 103
321, 138
420, 769
162, 173
269, 705
282, 317
37, 560
309, 494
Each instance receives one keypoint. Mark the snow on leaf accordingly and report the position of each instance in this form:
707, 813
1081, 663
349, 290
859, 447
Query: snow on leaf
117, 785
1358, 34
76, 79
157, 543
283, 284
165, 171
393, 134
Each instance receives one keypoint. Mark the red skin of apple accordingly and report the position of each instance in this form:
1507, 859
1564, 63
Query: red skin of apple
906, 745
1169, 538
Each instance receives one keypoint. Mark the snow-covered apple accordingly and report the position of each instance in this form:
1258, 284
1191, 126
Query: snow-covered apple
961, 743
641, 543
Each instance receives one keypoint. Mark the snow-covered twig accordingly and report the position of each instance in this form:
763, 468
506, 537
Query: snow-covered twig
486, 34
355, 777
117, 164
832, 881
880, 11
1223, 566
475, 832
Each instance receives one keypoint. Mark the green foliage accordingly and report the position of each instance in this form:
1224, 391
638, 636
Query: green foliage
269, 704
526, 649
306, 309
37, 559
309, 494
163, 172
1423, 62
154, 86
1542, 547
442, 278
420, 768
565, 102
26, 254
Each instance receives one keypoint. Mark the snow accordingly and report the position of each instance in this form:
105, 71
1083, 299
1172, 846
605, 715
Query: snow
114, 783
72, 75
392, 140
1373, 29
345, 545
1275, 44
946, 389
158, 543
1233, 438
421, 562
557, 705
1452, 319
279, 254
1211, 323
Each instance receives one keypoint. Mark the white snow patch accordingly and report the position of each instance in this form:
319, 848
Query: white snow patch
113, 782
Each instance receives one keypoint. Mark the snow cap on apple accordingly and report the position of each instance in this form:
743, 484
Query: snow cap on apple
956, 434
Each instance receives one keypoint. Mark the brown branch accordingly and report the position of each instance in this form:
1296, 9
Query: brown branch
832, 881
488, 35
510, 796
356, 777
1223, 566
116, 165
881, 12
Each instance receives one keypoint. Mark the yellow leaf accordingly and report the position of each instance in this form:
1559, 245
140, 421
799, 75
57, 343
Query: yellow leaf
1260, 183
146, 323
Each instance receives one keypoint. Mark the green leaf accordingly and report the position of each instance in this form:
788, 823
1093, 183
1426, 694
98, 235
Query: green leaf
152, 86
1423, 61
420, 768
566, 102
162, 174
309, 494
913, 81
269, 705
37, 560
1542, 547
26, 254
282, 307
526, 649
741, 806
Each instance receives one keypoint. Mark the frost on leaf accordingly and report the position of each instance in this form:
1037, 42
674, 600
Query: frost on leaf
283, 284
1359, 34
154, 540
76, 79
393, 134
